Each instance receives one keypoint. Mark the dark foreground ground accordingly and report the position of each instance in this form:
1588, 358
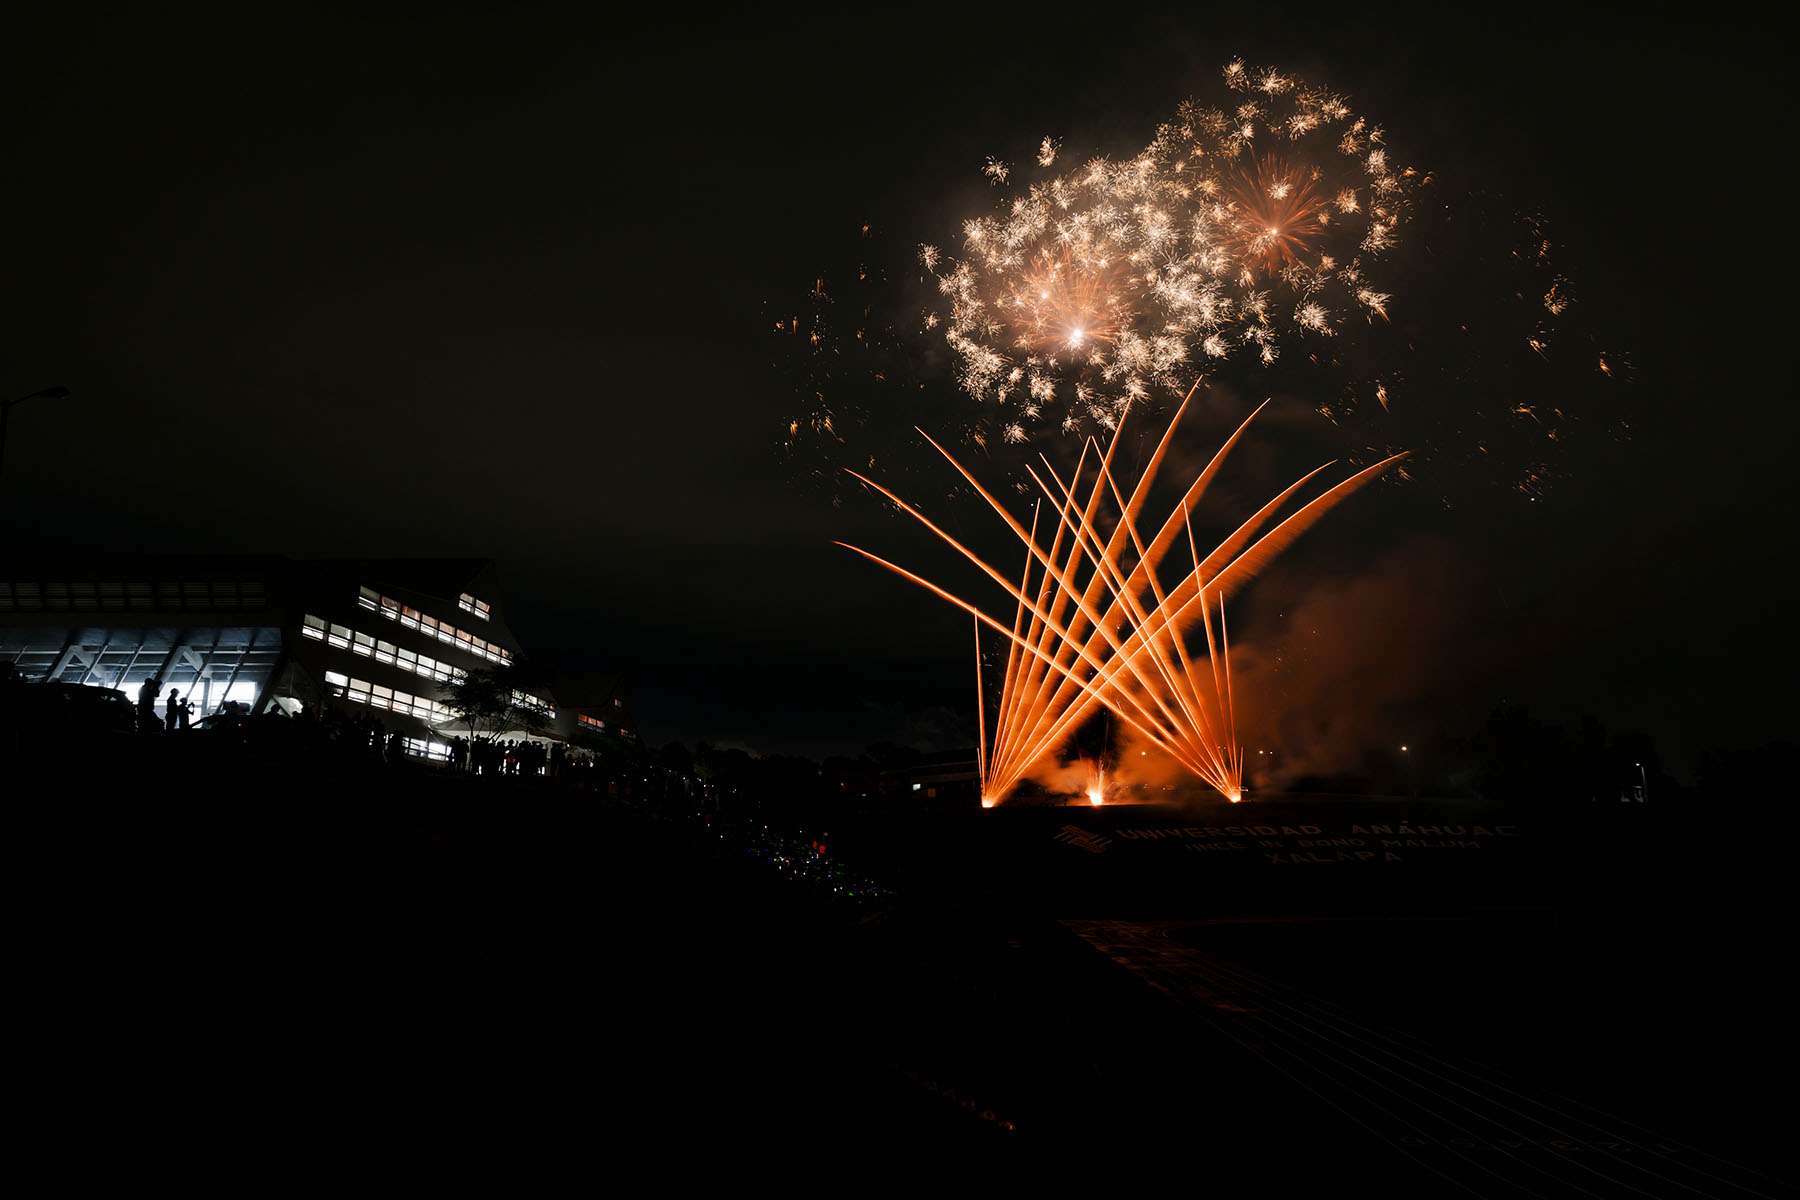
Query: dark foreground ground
242, 972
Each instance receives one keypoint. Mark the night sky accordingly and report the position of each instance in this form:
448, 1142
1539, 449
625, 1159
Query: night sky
500, 282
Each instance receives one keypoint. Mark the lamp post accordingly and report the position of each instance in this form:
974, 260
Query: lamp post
1644, 790
6, 407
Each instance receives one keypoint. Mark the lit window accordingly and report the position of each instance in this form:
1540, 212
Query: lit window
422, 748
445, 632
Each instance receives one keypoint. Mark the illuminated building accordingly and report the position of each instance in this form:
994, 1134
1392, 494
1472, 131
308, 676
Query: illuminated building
275, 633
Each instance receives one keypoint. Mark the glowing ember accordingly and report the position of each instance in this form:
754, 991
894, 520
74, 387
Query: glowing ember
1096, 788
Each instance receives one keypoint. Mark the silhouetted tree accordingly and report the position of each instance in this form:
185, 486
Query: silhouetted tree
486, 700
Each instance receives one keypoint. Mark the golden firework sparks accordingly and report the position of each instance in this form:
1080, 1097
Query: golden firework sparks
1122, 277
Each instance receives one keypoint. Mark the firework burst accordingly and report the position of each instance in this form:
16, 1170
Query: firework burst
1242, 225
1100, 620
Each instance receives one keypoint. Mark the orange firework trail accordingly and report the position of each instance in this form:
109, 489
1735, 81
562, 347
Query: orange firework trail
1094, 624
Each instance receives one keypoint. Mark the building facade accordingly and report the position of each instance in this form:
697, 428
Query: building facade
272, 633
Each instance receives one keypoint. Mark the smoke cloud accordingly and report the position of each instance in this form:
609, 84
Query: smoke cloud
1362, 661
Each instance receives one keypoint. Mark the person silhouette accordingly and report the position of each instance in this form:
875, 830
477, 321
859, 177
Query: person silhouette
171, 710
146, 705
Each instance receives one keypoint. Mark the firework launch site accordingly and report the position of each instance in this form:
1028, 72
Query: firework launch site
235, 955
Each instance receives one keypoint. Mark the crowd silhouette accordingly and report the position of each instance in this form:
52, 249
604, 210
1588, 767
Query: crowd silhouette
339, 734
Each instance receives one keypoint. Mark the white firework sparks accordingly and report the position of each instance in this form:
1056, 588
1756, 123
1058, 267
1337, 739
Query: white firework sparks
1119, 278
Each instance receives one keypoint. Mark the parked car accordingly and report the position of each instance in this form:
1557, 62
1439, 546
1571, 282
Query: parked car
224, 721
34, 716
236, 723
76, 706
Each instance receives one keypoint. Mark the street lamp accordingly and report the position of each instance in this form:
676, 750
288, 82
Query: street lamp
6, 407
1644, 791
